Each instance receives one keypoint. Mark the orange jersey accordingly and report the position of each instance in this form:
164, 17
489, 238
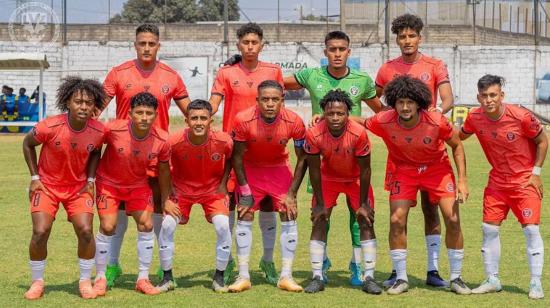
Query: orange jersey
423, 144
433, 72
239, 87
197, 170
508, 144
65, 152
126, 80
266, 142
126, 158
339, 154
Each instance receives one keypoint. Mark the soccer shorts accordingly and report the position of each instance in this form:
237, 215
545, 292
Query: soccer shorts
269, 181
212, 205
437, 180
135, 199
525, 203
332, 189
48, 201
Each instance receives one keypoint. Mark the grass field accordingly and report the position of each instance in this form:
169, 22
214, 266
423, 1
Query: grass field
195, 258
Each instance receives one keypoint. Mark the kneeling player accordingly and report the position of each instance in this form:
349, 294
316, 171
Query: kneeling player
132, 146
345, 168
200, 168
71, 147
261, 164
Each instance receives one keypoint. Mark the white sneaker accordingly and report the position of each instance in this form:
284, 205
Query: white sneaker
535, 290
490, 285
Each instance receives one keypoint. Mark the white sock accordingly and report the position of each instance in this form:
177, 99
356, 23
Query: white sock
356, 253
86, 267
268, 226
145, 244
243, 236
37, 269
223, 241
490, 249
535, 251
116, 241
166, 242
157, 224
368, 248
289, 240
399, 261
433, 242
316, 255
455, 261
102, 249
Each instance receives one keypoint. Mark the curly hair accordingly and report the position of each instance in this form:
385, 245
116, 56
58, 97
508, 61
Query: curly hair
336, 95
406, 21
250, 27
199, 104
408, 87
144, 99
148, 28
489, 80
75, 84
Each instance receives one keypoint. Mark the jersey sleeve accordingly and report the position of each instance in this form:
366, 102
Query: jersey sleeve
441, 73
228, 149
239, 131
467, 127
165, 152
381, 78
310, 145
530, 126
41, 132
302, 76
280, 77
110, 83
445, 129
181, 90
299, 130
362, 147
219, 84
370, 89
373, 125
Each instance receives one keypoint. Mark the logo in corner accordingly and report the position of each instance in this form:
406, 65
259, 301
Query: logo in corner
34, 22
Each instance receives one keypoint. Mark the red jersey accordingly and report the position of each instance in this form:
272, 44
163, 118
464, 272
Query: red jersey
433, 72
339, 154
126, 80
65, 152
508, 144
423, 144
239, 87
197, 170
266, 142
126, 159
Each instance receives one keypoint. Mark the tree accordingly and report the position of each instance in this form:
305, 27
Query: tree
212, 10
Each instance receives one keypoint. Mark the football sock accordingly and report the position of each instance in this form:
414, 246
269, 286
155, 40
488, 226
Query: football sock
369, 255
157, 224
356, 255
145, 244
399, 261
433, 242
268, 226
86, 267
166, 242
490, 249
289, 240
243, 233
37, 269
316, 253
455, 261
116, 242
223, 241
535, 251
102, 250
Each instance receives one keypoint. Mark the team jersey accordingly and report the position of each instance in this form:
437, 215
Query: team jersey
266, 142
65, 152
239, 87
318, 81
126, 80
197, 170
433, 72
507, 143
338, 154
423, 144
126, 159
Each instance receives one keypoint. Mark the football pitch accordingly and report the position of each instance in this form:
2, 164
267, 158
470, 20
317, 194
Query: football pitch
195, 259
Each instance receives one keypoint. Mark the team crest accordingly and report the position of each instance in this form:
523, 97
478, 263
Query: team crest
427, 140
526, 213
90, 203
354, 90
250, 84
408, 139
165, 89
216, 156
283, 141
510, 136
450, 187
425, 77
90, 148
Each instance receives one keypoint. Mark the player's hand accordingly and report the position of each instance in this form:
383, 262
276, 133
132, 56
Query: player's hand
291, 207
245, 204
36, 185
536, 182
318, 214
171, 208
366, 214
462, 191
89, 188
222, 190
315, 119
234, 59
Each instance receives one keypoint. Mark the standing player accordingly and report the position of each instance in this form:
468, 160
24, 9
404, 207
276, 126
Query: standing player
143, 74
515, 145
133, 145
260, 160
201, 161
237, 84
433, 72
71, 147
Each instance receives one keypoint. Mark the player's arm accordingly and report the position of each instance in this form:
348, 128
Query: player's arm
183, 103
366, 211
541, 141
379, 91
460, 163
93, 162
318, 211
246, 200
375, 104
169, 207
299, 173
226, 171
447, 97
29, 151
215, 101
291, 83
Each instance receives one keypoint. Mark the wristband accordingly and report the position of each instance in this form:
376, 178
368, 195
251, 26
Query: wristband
35, 177
91, 180
439, 109
537, 170
245, 190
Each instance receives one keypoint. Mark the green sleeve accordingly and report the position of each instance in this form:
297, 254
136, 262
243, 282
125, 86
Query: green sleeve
370, 89
302, 76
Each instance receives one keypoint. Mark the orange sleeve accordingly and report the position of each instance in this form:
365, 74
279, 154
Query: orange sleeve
310, 146
181, 90
467, 127
239, 131
219, 84
441, 73
530, 126
372, 124
41, 132
380, 78
299, 132
110, 83
165, 152
362, 147
445, 129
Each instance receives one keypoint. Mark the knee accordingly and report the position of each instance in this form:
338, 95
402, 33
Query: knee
108, 228
40, 234
145, 226
453, 225
85, 234
397, 225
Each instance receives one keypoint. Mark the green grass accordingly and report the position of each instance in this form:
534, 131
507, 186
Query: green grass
194, 260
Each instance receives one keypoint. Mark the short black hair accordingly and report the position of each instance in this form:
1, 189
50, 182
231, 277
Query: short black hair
488, 80
75, 84
408, 87
336, 35
336, 95
148, 28
22, 89
199, 104
270, 84
250, 27
144, 99
407, 21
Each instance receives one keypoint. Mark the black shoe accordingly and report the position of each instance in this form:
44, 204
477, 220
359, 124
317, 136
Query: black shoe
316, 285
370, 286
391, 280
433, 279
218, 284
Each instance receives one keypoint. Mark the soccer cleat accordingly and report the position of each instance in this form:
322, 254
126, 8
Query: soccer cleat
288, 284
535, 290
371, 287
400, 286
458, 286
166, 285
268, 268
100, 286
388, 283
112, 273
490, 285
36, 290
86, 289
433, 279
316, 285
228, 274
240, 285
356, 275
218, 284
144, 286
326, 266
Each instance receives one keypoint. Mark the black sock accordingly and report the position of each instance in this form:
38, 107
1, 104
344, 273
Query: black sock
168, 275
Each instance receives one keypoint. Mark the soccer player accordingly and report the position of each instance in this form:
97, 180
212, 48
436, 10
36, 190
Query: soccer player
515, 145
143, 74
201, 161
237, 84
71, 147
359, 87
433, 72
260, 160
339, 161
416, 139
133, 145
